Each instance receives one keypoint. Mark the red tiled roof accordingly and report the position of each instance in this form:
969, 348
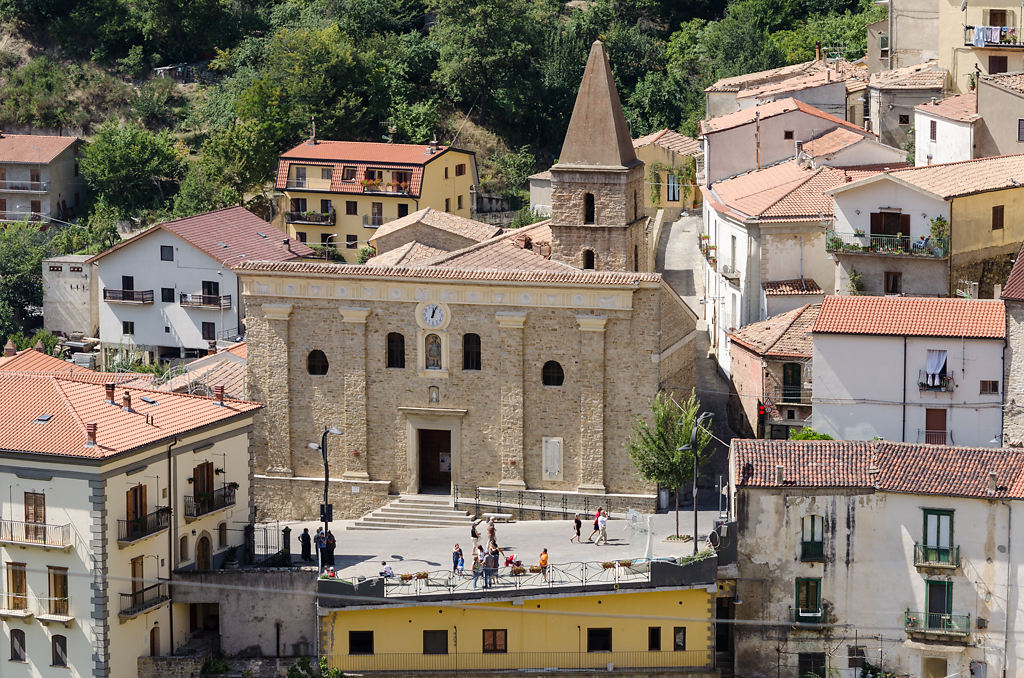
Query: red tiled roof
200, 376
31, 360
917, 76
1013, 290
32, 148
240, 349
670, 140
912, 316
230, 235
364, 151
959, 107
506, 252
841, 70
785, 335
72, 404
445, 221
779, 107
819, 78
353, 187
795, 287
966, 177
831, 142
409, 254
881, 465
1014, 82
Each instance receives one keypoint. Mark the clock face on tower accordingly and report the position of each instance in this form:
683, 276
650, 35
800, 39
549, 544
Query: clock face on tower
433, 315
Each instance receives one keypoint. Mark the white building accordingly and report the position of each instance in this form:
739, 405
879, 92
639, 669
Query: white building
900, 556
40, 177
909, 369
169, 291
69, 296
944, 129
110, 489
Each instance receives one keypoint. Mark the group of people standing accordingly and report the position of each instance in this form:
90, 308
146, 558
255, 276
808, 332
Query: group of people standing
325, 545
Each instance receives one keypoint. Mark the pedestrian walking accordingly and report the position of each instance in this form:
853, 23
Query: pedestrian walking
321, 542
576, 524
544, 564
597, 528
474, 533
602, 524
330, 545
478, 568
456, 556
305, 540
492, 564
492, 531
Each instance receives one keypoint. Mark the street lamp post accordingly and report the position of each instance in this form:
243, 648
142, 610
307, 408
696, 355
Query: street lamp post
692, 447
322, 447
328, 246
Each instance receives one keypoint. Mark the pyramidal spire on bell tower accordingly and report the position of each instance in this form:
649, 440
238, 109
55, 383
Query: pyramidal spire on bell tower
597, 219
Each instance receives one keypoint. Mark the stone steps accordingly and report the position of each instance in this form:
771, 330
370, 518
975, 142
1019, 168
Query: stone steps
414, 511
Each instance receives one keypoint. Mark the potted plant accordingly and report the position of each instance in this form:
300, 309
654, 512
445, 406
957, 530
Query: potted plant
422, 575
534, 569
625, 563
518, 570
608, 565
859, 232
233, 485
231, 559
405, 577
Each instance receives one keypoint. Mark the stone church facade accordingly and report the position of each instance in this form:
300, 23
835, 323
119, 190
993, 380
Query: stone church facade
519, 362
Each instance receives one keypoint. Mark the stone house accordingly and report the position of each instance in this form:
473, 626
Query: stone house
912, 369
40, 178
901, 556
770, 374
1012, 295
662, 152
892, 96
518, 362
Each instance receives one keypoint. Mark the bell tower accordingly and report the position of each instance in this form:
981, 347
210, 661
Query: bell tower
597, 217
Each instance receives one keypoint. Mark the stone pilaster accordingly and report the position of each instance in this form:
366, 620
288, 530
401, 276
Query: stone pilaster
355, 394
278, 388
513, 469
100, 600
592, 330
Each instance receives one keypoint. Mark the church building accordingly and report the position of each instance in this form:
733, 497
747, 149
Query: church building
517, 361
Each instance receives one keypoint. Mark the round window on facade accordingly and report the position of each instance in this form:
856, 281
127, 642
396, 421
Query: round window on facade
552, 374
316, 362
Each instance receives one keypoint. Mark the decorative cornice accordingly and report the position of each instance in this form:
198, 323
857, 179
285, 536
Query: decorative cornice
354, 315
277, 311
592, 323
511, 319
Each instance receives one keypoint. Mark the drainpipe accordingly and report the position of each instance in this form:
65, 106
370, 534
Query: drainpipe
1002, 410
171, 488
903, 429
757, 139
892, 42
949, 248
1009, 564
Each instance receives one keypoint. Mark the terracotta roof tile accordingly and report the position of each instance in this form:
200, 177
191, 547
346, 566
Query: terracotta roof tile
818, 78
363, 151
841, 68
953, 179
880, 465
240, 349
1011, 81
785, 335
918, 76
912, 316
32, 148
670, 140
220, 369
231, 234
831, 142
445, 221
72, 404
768, 110
544, 176
782, 288
507, 252
1013, 290
959, 107
409, 254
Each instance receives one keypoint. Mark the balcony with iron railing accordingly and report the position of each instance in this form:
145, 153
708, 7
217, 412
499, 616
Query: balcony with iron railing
128, 296
20, 216
129, 531
888, 245
568, 662
212, 301
44, 535
935, 437
799, 615
812, 551
17, 605
937, 623
372, 221
312, 218
135, 603
54, 610
795, 395
207, 502
385, 187
729, 272
984, 36
936, 556
935, 382
308, 184
25, 186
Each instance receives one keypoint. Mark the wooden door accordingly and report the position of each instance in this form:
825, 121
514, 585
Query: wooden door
136, 509
940, 603
58, 590
127, 282
202, 478
138, 574
154, 641
791, 382
935, 426
211, 288
204, 554
35, 517
17, 588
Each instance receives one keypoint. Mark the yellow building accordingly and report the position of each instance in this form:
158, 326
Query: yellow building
664, 621
979, 38
670, 161
338, 192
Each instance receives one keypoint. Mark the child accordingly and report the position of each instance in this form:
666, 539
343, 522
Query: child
461, 566
577, 524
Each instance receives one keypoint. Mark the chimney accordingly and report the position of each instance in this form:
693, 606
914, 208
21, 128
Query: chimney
90, 433
432, 146
312, 137
10, 349
39, 346
287, 244
212, 348
991, 483
218, 395
817, 50
126, 400
934, 100
109, 388
780, 474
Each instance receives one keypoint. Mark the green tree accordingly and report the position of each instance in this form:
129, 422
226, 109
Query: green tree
23, 341
514, 168
132, 168
654, 447
22, 250
807, 433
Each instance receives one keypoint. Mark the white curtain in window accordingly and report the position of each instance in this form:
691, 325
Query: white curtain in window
933, 366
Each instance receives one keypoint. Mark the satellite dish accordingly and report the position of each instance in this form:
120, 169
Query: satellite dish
963, 6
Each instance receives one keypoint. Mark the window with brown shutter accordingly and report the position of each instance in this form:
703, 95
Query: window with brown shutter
932, 129
997, 217
35, 516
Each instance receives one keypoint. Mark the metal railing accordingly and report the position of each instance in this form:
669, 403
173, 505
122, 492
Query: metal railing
128, 296
458, 662
57, 606
309, 217
208, 502
799, 615
139, 601
935, 437
936, 556
205, 300
924, 246
15, 600
143, 526
20, 216
28, 186
371, 221
565, 504
943, 623
812, 550
728, 271
935, 382
40, 534
1006, 38
795, 395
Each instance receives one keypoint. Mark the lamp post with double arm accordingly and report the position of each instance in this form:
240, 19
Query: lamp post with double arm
322, 447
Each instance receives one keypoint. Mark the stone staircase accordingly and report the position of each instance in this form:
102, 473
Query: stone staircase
415, 510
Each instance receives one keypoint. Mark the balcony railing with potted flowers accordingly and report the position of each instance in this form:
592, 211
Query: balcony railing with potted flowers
862, 243
935, 382
937, 623
313, 218
381, 186
207, 502
936, 556
992, 36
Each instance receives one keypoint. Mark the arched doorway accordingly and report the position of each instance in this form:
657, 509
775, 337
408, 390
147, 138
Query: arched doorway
203, 553
154, 641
